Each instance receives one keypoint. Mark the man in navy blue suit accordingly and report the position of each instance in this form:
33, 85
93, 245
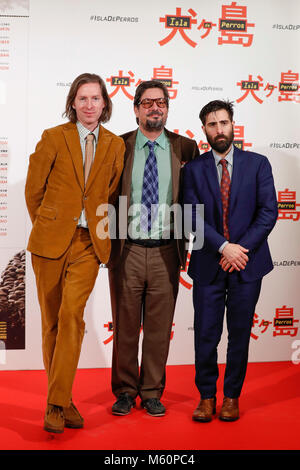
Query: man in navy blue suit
240, 210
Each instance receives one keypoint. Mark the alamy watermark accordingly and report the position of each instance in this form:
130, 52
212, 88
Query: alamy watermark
178, 221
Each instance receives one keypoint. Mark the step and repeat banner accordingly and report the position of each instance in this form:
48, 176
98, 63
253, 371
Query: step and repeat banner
245, 51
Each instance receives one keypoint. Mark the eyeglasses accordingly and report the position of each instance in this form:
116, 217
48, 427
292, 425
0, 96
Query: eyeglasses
148, 102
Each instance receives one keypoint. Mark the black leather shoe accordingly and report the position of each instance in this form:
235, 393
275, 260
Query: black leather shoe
123, 404
154, 407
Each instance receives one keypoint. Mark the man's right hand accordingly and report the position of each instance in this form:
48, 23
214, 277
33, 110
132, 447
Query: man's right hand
234, 257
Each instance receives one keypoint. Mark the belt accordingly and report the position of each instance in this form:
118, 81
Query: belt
149, 243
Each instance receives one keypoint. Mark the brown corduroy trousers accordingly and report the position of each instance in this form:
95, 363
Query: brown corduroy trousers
63, 287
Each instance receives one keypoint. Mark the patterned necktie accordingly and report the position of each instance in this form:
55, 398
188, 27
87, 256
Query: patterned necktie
225, 192
89, 152
150, 190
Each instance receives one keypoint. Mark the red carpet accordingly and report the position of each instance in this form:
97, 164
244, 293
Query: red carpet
270, 414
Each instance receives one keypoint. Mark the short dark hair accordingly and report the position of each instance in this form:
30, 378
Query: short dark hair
214, 106
82, 79
150, 84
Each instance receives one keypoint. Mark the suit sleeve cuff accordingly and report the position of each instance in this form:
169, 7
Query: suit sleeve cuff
223, 246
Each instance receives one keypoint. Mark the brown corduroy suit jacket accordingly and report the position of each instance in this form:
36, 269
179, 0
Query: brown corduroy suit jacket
55, 191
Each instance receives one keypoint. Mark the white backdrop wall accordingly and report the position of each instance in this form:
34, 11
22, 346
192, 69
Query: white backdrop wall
245, 51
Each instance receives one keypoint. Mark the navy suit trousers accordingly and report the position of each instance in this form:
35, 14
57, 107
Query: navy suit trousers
239, 298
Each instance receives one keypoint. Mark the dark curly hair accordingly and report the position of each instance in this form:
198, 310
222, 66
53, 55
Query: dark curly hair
214, 106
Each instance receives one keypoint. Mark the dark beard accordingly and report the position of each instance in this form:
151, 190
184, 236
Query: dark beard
221, 146
156, 125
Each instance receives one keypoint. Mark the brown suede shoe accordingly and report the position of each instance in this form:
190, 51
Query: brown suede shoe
73, 418
205, 410
54, 419
230, 409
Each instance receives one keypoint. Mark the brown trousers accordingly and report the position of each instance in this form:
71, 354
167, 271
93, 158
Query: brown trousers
63, 287
144, 287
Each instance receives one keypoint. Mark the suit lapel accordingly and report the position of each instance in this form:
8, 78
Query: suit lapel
237, 176
73, 143
175, 163
127, 172
213, 180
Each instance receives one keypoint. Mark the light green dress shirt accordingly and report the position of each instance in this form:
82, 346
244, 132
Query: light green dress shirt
163, 225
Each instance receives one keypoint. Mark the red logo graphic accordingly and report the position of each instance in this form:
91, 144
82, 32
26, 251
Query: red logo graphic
207, 26
178, 23
287, 205
124, 82
109, 326
233, 26
284, 322
201, 144
183, 280
288, 88
250, 86
121, 82
238, 141
263, 324
165, 75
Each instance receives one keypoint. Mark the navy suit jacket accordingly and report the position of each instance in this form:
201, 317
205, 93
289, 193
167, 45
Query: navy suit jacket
252, 212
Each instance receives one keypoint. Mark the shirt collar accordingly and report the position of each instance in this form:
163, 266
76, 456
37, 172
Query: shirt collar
83, 131
141, 140
229, 156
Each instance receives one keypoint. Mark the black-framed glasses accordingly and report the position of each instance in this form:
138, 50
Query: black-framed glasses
148, 102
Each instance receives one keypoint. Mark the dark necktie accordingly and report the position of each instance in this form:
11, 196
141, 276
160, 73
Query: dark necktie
225, 192
150, 190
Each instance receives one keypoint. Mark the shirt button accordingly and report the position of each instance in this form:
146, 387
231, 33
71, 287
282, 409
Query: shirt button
75, 218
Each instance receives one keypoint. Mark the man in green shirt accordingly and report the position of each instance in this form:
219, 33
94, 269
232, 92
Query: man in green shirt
144, 277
